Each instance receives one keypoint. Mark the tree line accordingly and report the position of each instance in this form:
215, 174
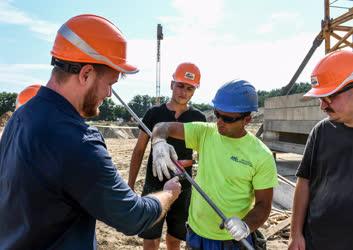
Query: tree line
110, 111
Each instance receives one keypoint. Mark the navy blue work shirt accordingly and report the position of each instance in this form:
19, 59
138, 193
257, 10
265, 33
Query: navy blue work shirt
57, 178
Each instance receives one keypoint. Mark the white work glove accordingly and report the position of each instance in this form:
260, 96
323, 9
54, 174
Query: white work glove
163, 153
237, 228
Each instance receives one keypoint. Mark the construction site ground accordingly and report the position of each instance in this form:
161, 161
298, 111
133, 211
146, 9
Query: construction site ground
109, 238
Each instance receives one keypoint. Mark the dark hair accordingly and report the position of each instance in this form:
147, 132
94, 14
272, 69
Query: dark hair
64, 69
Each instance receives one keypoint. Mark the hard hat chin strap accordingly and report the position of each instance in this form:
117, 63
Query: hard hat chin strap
69, 67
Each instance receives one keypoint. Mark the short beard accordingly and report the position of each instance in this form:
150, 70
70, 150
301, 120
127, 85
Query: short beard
89, 107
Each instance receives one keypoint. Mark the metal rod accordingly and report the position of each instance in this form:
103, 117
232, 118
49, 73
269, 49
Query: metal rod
285, 180
184, 173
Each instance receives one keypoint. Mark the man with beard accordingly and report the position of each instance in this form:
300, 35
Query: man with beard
186, 79
236, 170
323, 202
56, 176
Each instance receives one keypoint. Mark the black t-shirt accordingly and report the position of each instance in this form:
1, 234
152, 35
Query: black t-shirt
328, 165
161, 113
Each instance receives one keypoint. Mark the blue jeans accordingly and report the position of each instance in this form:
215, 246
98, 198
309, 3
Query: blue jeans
196, 242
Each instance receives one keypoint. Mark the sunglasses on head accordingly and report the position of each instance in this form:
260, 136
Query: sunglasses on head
228, 119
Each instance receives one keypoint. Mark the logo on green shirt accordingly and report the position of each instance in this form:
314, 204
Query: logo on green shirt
242, 161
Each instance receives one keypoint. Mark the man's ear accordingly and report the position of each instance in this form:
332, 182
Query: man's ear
86, 72
247, 119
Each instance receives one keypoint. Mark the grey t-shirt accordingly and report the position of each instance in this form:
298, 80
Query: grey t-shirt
328, 165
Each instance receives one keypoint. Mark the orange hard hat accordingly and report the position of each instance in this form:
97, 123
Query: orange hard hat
92, 39
331, 74
26, 94
187, 73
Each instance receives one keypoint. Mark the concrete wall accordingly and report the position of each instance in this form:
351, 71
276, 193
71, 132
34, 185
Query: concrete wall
288, 120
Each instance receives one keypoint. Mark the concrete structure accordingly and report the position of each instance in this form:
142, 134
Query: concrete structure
288, 121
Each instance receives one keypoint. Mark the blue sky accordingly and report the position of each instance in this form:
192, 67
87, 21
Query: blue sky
260, 41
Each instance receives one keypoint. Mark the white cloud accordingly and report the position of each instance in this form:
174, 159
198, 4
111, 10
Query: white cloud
15, 77
11, 15
284, 18
194, 19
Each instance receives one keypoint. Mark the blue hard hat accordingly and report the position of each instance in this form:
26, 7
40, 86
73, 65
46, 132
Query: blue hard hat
236, 96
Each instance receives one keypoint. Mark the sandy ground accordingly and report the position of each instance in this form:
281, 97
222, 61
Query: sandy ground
109, 238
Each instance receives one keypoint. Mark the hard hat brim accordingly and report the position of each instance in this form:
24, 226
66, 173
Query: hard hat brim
329, 90
125, 68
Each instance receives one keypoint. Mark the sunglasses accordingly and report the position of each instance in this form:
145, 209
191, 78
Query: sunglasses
228, 119
328, 99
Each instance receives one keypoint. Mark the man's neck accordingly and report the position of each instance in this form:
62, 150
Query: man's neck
64, 92
178, 108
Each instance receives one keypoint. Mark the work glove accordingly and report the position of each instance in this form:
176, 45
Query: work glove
237, 228
163, 153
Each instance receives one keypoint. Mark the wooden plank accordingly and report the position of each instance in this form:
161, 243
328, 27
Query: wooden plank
273, 230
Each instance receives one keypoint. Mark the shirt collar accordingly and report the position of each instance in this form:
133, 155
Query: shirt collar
60, 101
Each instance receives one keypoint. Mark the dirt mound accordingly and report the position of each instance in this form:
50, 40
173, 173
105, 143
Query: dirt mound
117, 132
4, 118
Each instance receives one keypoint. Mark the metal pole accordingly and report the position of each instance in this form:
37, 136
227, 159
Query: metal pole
184, 173
158, 63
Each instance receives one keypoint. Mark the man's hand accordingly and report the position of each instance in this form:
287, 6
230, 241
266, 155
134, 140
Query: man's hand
163, 153
237, 228
297, 243
174, 186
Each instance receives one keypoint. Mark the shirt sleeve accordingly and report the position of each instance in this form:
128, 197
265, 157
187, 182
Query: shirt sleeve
305, 165
148, 120
94, 182
266, 174
193, 132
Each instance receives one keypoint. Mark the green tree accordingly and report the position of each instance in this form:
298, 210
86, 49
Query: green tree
297, 88
140, 104
162, 99
202, 106
108, 111
7, 102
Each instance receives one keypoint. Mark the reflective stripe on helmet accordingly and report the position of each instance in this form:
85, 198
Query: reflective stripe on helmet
73, 38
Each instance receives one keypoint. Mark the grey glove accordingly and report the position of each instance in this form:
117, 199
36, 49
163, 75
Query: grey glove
163, 153
237, 228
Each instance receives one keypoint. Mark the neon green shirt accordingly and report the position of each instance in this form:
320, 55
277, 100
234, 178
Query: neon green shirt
229, 171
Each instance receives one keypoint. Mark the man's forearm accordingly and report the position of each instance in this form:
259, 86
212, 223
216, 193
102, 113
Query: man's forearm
166, 198
135, 165
300, 206
160, 131
163, 130
257, 216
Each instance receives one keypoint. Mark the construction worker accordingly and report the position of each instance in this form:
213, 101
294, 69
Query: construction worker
236, 170
186, 79
26, 94
322, 208
56, 176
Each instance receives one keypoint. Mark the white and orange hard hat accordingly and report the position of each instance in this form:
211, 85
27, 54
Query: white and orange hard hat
187, 73
26, 94
331, 74
92, 39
